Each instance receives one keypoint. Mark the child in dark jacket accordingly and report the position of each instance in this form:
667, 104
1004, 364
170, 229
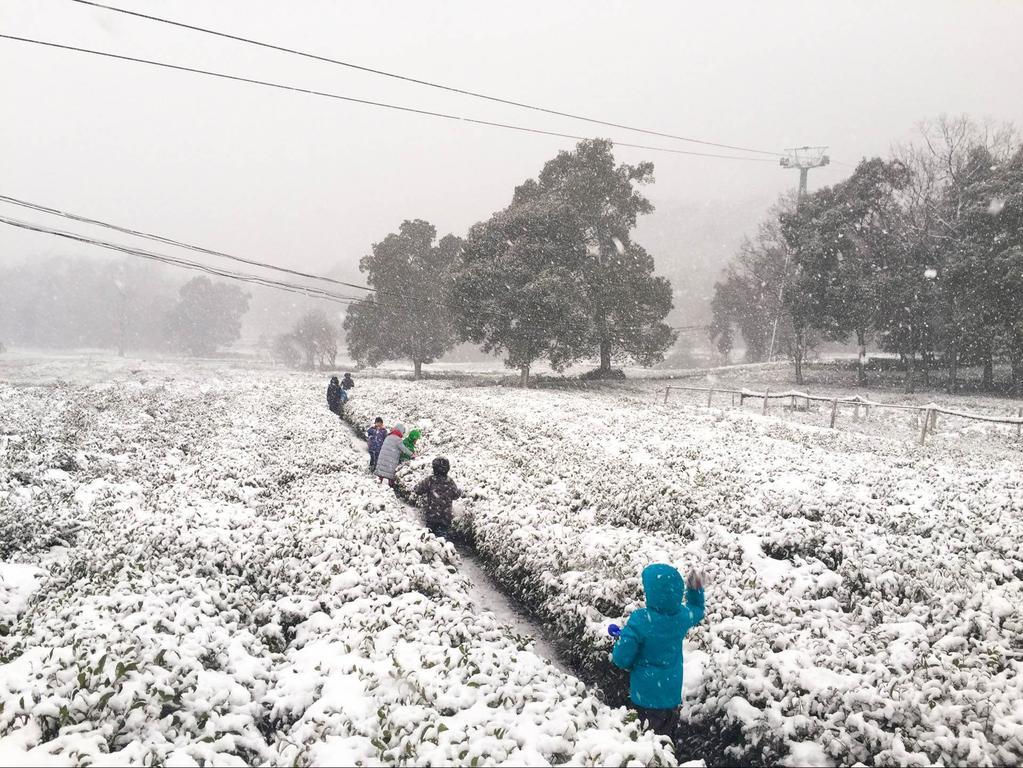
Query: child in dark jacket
375, 437
438, 491
650, 645
334, 393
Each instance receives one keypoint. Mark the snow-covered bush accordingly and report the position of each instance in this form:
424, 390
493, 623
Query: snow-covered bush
863, 596
234, 590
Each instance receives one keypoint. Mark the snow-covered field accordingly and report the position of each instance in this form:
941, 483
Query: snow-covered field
864, 598
195, 569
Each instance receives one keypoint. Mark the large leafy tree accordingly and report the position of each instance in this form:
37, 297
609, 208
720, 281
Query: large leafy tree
860, 235
519, 288
952, 156
992, 256
407, 318
807, 284
207, 316
627, 302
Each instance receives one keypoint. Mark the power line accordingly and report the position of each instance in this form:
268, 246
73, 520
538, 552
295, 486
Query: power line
241, 277
367, 102
183, 263
418, 81
179, 243
173, 261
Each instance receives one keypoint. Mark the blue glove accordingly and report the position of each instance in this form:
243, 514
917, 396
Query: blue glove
614, 630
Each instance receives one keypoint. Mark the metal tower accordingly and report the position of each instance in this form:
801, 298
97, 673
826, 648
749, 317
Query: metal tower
805, 158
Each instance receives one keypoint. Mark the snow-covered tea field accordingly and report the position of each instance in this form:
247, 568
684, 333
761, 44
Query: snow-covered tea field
864, 594
196, 570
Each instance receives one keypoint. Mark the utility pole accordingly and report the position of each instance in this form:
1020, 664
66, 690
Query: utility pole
803, 158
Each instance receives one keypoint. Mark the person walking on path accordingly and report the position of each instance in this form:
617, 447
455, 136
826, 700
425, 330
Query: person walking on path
390, 454
375, 436
650, 645
437, 491
335, 396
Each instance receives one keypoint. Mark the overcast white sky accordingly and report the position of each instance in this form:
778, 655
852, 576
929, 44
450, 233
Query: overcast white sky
300, 180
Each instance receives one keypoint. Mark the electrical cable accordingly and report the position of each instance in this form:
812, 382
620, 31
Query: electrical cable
309, 292
319, 293
367, 102
180, 244
417, 81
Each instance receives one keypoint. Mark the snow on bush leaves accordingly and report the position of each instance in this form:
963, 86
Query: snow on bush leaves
226, 587
861, 600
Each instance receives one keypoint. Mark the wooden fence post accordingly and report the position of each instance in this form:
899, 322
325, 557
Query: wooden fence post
934, 422
792, 403
856, 411
733, 399
923, 429
1019, 427
666, 391
866, 412
834, 412
710, 398
766, 393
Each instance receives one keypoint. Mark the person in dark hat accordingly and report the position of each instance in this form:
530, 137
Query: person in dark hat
437, 492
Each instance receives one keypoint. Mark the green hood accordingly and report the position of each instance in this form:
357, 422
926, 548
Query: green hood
414, 435
664, 589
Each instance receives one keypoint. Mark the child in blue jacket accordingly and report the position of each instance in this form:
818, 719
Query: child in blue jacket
650, 645
375, 437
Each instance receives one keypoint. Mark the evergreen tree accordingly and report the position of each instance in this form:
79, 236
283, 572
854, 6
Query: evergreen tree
992, 257
519, 288
860, 231
407, 318
953, 154
627, 302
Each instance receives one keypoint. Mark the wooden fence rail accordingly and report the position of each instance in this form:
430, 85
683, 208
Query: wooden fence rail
929, 412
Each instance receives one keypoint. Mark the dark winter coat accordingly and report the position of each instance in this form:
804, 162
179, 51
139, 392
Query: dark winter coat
334, 396
348, 382
650, 646
375, 437
437, 494
390, 454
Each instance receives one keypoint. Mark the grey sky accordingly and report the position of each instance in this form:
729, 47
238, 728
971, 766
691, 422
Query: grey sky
306, 181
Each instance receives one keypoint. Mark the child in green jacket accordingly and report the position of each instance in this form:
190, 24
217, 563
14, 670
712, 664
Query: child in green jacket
410, 442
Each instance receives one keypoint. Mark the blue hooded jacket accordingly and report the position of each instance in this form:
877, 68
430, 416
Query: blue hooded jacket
650, 646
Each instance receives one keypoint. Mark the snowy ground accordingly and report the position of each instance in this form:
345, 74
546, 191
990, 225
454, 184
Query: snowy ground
194, 569
864, 599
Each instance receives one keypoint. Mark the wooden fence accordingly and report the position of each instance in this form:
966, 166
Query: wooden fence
929, 412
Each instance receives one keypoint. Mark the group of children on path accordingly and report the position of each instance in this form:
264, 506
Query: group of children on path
389, 448
648, 647
337, 393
